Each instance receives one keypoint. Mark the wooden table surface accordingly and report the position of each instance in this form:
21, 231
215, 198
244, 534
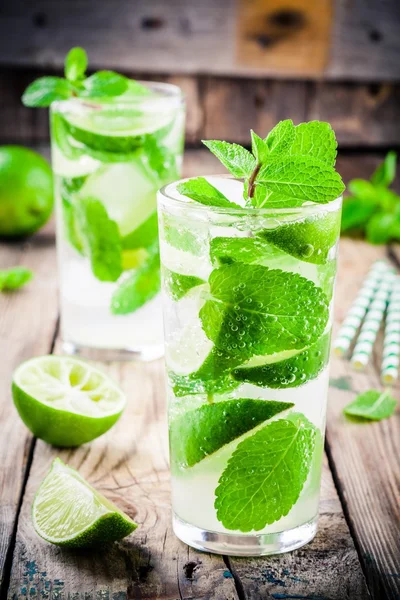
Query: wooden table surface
355, 555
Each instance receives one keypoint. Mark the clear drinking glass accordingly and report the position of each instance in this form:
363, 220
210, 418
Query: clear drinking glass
247, 297
109, 158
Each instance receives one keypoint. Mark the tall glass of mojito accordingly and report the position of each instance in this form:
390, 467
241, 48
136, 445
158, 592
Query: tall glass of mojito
248, 268
114, 142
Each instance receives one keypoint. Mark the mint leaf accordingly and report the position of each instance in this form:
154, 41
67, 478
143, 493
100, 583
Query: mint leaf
379, 227
101, 239
75, 64
301, 177
356, 213
46, 90
254, 310
143, 236
104, 83
247, 250
158, 160
281, 137
139, 287
178, 285
201, 432
235, 158
315, 139
179, 236
266, 474
68, 187
200, 190
386, 172
14, 278
290, 372
259, 147
372, 405
309, 240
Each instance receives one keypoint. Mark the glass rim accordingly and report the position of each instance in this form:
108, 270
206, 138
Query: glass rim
163, 90
176, 202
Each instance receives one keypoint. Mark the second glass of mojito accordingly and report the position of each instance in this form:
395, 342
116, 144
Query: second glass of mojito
109, 158
248, 266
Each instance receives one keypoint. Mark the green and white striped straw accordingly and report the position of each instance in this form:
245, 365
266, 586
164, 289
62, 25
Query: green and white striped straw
391, 343
372, 323
359, 308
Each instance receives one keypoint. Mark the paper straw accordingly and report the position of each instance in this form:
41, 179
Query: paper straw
359, 308
391, 343
372, 323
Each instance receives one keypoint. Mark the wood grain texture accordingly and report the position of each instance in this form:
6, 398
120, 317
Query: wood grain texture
130, 466
363, 115
365, 456
210, 37
27, 324
291, 37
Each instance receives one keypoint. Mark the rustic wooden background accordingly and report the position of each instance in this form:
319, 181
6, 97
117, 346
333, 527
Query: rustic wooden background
241, 63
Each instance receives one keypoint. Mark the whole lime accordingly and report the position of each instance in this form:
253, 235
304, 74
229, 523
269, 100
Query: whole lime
26, 191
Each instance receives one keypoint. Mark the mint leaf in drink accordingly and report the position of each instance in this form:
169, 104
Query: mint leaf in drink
101, 239
301, 177
281, 137
200, 190
139, 287
315, 139
68, 187
76, 63
289, 372
201, 432
179, 235
143, 236
14, 278
253, 250
238, 160
254, 310
158, 160
273, 463
104, 83
386, 172
309, 240
46, 90
178, 285
372, 405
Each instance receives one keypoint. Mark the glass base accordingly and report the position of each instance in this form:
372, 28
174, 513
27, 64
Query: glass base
113, 354
244, 545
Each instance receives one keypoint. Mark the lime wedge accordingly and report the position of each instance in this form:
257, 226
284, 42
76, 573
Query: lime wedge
67, 511
65, 401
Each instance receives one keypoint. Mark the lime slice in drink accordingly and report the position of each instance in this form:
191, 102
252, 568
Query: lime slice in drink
67, 511
127, 193
64, 401
309, 240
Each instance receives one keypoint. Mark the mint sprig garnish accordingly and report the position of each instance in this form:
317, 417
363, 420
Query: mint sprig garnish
200, 190
289, 167
14, 278
266, 474
102, 84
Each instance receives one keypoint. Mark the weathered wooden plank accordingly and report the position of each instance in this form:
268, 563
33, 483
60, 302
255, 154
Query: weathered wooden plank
291, 37
27, 325
326, 568
280, 39
365, 456
362, 115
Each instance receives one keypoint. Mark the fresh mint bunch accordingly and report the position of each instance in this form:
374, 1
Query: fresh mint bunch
373, 208
102, 84
291, 166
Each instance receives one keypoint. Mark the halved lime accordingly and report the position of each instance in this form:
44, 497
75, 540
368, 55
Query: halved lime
67, 511
64, 401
